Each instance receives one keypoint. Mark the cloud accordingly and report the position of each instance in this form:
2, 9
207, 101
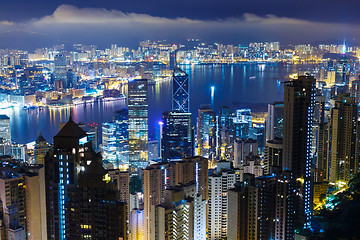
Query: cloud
103, 27
6, 23
68, 14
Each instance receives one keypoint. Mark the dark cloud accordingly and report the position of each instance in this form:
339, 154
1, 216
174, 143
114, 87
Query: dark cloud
101, 26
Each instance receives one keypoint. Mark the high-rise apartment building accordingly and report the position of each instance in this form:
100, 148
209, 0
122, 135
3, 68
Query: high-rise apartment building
344, 139
275, 121
138, 123
299, 103
182, 215
219, 182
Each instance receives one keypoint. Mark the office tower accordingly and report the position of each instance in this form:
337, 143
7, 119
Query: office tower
273, 155
60, 67
299, 103
40, 149
355, 90
5, 128
153, 150
342, 71
138, 123
330, 81
121, 119
180, 91
177, 137
70, 79
5, 134
154, 183
220, 181
225, 136
242, 149
192, 169
137, 224
242, 123
206, 132
172, 59
182, 215
73, 173
275, 121
109, 144
92, 208
344, 138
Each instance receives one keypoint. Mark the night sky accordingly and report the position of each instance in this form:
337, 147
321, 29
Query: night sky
37, 23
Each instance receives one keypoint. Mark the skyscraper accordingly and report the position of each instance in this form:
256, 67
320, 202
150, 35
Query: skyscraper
79, 192
5, 128
177, 137
219, 182
155, 182
60, 67
122, 125
180, 91
344, 138
206, 132
299, 103
138, 123
275, 121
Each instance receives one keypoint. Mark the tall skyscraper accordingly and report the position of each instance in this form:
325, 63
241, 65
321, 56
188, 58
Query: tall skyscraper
180, 91
344, 137
275, 121
177, 137
121, 119
138, 123
109, 144
299, 103
206, 132
5, 135
172, 59
60, 67
78, 191
5, 128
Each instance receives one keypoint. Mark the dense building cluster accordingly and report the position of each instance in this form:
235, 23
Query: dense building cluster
234, 174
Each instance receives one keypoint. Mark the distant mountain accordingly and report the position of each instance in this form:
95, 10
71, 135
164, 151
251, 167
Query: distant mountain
25, 40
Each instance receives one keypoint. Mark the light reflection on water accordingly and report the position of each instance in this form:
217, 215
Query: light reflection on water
239, 85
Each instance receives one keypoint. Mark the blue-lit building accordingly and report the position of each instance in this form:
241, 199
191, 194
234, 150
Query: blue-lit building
180, 91
299, 104
138, 123
78, 191
206, 132
177, 137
